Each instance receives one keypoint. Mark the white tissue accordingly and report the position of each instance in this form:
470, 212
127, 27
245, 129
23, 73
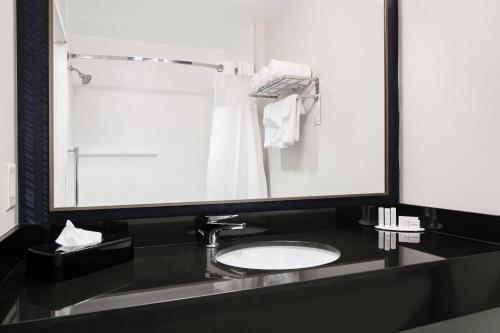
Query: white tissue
77, 237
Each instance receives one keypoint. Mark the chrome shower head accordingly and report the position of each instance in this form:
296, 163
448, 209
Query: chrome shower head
86, 78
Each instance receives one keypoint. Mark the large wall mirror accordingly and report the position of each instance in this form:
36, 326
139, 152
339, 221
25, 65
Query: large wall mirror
189, 102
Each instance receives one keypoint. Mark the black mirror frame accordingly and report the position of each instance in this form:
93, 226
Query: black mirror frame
33, 134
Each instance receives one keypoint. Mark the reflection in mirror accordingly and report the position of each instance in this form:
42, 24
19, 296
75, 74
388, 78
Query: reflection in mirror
170, 102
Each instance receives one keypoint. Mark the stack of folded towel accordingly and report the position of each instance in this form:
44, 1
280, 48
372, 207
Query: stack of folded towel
276, 69
282, 122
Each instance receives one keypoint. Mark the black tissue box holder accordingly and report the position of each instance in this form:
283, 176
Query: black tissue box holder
46, 263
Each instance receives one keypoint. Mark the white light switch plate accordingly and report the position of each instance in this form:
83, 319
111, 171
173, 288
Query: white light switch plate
11, 186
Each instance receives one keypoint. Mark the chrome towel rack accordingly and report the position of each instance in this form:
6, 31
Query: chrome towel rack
287, 85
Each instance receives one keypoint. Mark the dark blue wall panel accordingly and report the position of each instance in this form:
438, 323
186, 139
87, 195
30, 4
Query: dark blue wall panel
33, 110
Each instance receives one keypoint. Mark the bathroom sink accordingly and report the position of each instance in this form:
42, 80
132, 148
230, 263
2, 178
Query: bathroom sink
277, 255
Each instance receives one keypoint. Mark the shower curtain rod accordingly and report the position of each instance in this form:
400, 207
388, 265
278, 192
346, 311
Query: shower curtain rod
218, 67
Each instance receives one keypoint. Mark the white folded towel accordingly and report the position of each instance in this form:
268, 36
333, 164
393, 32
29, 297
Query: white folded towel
282, 122
260, 79
77, 237
277, 69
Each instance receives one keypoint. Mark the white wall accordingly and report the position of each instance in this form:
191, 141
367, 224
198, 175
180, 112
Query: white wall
343, 41
450, 104
141, 107
7, 105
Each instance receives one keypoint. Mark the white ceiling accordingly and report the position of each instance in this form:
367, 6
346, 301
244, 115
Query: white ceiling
195, 23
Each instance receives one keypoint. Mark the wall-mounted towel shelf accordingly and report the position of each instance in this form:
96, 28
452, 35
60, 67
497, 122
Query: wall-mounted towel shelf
287, 85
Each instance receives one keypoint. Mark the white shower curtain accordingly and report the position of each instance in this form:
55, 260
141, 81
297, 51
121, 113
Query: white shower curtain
235, 158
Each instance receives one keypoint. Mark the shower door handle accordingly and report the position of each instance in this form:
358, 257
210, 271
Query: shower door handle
76, 153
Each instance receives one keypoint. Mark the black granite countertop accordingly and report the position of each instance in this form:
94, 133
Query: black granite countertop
380, 283
173, 273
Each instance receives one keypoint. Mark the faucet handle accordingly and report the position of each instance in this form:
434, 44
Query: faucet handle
210, 227
216, 218
230, 226
214, 233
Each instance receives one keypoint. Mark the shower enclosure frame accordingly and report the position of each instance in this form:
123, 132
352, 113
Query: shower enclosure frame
34, 136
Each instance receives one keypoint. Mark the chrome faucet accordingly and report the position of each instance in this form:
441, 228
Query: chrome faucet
211, 226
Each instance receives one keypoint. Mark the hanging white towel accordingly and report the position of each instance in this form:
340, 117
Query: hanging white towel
282, 122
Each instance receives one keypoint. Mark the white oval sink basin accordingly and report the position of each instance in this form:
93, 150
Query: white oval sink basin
277, 255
